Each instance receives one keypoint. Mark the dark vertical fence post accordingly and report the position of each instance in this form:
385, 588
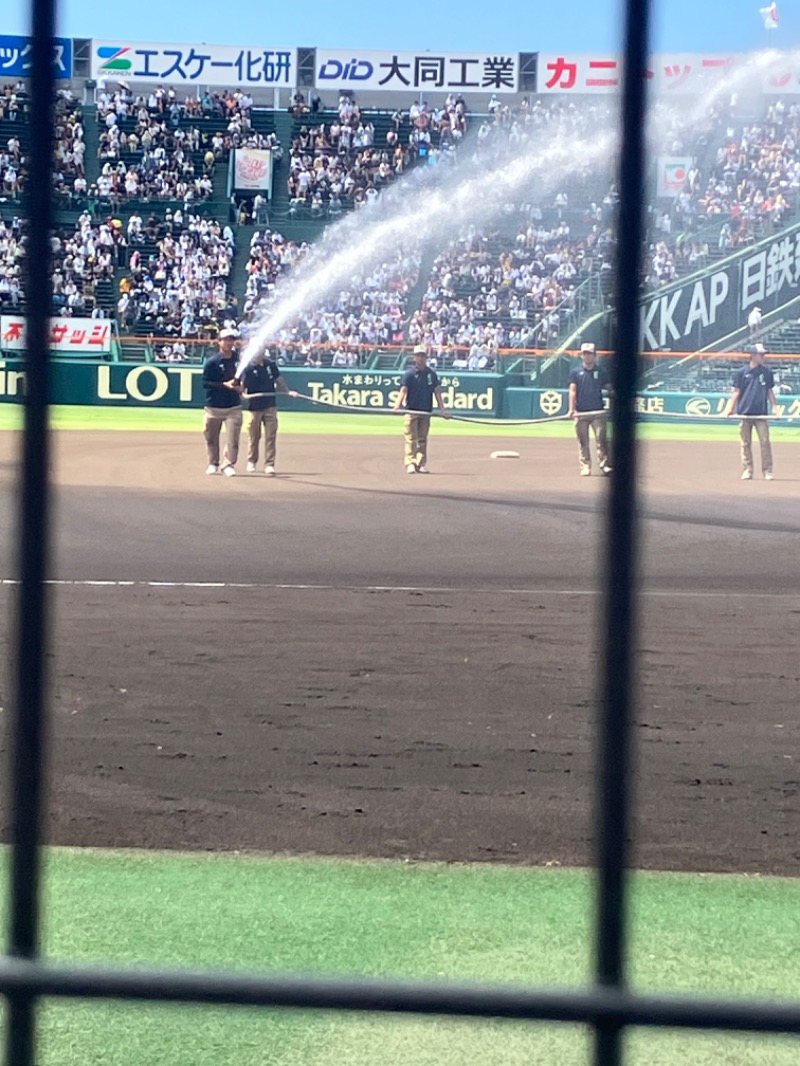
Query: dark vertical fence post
613, 800
28, 765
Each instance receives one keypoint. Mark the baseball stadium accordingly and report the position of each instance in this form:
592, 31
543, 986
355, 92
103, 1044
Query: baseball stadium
453, 717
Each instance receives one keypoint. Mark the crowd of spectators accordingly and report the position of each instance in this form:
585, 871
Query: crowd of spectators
69, 149
157, 148
177, 282
490, 289
12, 254
370, 311
83, 256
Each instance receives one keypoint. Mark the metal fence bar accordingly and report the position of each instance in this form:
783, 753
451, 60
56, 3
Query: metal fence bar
613, 791
577, 1006
28, 734
608, 1005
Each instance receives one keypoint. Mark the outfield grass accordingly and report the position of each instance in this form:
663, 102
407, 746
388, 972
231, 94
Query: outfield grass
732, 935
323, 423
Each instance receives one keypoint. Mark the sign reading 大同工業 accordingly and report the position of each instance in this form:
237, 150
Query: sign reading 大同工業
195, 64
456, 72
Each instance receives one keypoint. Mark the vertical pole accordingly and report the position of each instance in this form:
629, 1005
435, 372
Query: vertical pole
613, 800
28, 733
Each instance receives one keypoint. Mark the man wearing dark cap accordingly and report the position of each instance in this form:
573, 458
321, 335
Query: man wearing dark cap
586, 386
223, 405
419, 385
753, 395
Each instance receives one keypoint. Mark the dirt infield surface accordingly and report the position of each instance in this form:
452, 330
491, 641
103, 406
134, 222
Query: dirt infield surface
389, 665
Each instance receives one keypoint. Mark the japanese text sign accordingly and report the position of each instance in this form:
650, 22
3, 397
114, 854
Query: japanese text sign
194, 64
78, 336
15, 57
457, 72
684, 74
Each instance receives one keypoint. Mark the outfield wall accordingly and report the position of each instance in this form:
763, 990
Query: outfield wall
91, 383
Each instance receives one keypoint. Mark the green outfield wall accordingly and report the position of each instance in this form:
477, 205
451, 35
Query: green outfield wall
89, 383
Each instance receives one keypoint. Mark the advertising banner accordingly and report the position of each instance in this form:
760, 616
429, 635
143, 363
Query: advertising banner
68, 336
671, 406
671, 174
15, 56
708, 306
193, 64
456, 72
252, 170
151, 385
679, 74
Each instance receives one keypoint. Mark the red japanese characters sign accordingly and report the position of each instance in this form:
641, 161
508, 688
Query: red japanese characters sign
684, 74
78, 336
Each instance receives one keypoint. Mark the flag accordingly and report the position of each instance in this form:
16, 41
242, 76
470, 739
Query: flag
770, 16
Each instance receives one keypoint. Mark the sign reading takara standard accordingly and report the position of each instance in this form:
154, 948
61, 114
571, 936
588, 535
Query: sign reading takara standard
151, 385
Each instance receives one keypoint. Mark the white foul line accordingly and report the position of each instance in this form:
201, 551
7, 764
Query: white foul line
439, 590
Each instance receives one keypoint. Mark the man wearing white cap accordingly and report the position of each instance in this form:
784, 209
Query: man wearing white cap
586, 386
223, 405
419, 386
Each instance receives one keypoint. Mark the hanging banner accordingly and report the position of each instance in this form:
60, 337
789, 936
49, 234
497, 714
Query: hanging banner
194, 64
456, 72
68, 336
671, 174
252, 170
15, 57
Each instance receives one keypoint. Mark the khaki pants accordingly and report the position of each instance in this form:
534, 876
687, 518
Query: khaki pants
215, 417
268, 418
598, 424
746, 434
415, 432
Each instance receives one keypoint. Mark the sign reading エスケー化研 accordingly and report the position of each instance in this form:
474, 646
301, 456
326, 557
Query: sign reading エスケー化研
195, 64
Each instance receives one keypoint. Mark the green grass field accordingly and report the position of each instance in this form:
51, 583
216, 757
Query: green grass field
708, 934
313, 423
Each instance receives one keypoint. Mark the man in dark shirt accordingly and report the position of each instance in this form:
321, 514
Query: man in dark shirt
753, 395
223, 404
259, 381
418, 387
586, 385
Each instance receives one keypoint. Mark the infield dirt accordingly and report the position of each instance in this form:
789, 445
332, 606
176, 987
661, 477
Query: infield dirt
403, 666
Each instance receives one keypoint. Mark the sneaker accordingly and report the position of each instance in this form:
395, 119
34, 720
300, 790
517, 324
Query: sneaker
586, 473
768, 475
423, 470
229, 471
251, 468
411, 469
212, 469
747, 475
269, 470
